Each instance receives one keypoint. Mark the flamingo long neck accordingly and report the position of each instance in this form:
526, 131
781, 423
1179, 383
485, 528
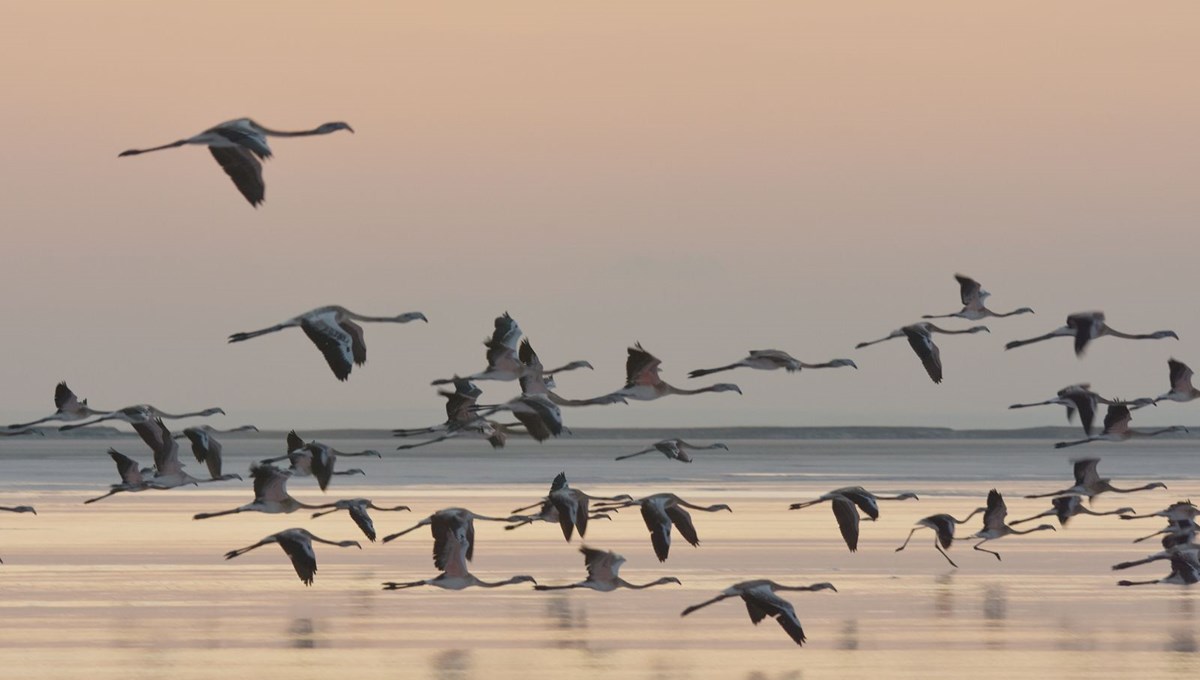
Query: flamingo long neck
966, 519
286, 133
633, 586
671, 389
1135, 336
1029, 531
1136, 488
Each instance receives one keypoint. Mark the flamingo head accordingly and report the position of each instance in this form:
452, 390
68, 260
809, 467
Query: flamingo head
334, 127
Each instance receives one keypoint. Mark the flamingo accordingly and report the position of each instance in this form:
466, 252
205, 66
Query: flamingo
67, 407
541, 417
660, 511
1170, 548
770, 360
502, 357
535, 382
14, 432
920, 338
207, 448
973, 296
1081, 398
674, 449
1088, 326
761, 601
333, 331
168, 471
461, 419
943, 526
1089, 483
1181, 522
238, 146
994, 526
270, 494
142, 413
317, 459
603, 574
567, 506
452, 550
1066, 507
357, 507
643, 383
1185, 570
1116, 428
443, 525
844, 502
1181, 383
133, 477
297, 543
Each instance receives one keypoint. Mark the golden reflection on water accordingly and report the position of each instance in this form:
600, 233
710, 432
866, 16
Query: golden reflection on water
132, 588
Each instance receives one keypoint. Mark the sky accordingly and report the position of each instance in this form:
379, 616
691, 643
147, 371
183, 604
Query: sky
703, 177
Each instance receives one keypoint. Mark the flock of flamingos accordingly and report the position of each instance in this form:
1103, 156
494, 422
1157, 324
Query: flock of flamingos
240, 145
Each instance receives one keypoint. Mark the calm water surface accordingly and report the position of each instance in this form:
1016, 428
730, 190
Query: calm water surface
132, 587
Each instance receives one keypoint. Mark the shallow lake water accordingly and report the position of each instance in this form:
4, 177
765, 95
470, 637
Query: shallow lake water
133, 587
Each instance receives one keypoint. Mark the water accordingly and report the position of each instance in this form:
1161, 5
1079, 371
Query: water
133, 587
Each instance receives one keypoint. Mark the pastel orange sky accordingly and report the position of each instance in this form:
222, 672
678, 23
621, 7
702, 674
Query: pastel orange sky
703, 177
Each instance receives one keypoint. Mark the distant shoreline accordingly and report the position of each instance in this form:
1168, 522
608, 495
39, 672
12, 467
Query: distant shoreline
656, 433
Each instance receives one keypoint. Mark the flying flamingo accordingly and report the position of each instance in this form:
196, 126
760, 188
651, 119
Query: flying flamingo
357, 507
207, 448
1089, 483
317, 459
535, 382
297, 543
504, 363
142, 413
462, 419
761, 601
67, 406
845, 502
333, 331
270, 494
1085, 327
674, 449
452, 550
133, 477
1066, 507
772, 359
442, 525
1081, 398
662, 510
643, 383
1181, 383
1185, 571
541, 417
973, 296
603, 574
994, 526
1116, 428
239, 145
943, 526
168, 470
567, 506
920, 338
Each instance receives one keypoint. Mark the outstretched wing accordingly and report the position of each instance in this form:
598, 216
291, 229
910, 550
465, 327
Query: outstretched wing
244, 169
334, 342
641, 367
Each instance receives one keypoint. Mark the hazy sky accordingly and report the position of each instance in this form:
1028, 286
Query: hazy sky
705, 177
